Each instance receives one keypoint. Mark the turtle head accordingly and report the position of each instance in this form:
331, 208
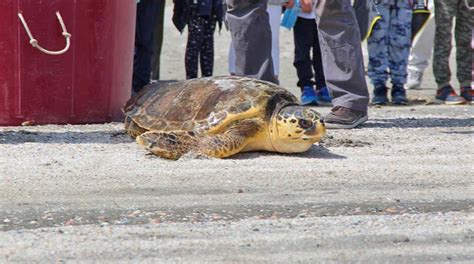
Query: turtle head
296, 128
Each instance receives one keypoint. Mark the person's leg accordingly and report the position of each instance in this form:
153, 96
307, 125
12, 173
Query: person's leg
377, 45
158, 42
231, 59
316, 59
274, 13
445, 11
250, 31
302, 36
193, 46
463, 31
442, 44
302, 61
421, 51
322, 92
399, 49
146, 14
207, 47
342, 63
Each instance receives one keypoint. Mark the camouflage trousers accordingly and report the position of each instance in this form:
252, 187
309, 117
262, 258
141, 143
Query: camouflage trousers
389, 44
445, 11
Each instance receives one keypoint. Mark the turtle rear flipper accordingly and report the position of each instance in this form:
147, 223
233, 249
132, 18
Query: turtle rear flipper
169, 145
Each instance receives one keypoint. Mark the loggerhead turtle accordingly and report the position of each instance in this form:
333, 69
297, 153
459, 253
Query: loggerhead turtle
219, 117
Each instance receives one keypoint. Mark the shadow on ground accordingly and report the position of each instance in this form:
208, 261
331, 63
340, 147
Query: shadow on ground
69, 137
117, 137
31, 217
315, 152
419, 122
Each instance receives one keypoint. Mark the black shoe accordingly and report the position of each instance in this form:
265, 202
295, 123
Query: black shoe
447, 95
342, 117
380, 95
399, 96
467, 92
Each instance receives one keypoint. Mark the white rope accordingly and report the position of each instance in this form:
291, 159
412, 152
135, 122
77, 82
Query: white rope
467, 5
34, 42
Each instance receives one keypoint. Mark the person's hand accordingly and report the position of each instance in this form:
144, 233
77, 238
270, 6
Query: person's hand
289, 4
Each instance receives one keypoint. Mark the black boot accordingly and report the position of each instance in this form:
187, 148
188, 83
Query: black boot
399, 96
380, 95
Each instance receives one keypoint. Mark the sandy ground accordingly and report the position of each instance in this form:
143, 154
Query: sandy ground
399, 189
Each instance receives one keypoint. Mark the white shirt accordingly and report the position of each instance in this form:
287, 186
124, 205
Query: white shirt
309, 15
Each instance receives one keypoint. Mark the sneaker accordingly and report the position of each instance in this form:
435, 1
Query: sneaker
414, 79
343, 117
447, 95
467, 92
323, 96
399, 96
308, 96
380, 95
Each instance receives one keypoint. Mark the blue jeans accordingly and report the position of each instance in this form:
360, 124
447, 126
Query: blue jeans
147, 12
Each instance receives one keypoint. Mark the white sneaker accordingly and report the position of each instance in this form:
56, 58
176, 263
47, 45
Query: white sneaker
414, 79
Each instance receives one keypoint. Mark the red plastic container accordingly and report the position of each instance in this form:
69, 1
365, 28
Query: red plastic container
89, 83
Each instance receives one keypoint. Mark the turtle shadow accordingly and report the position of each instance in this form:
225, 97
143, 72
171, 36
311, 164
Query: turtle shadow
68, 137
320, 152
412, 122
315, 152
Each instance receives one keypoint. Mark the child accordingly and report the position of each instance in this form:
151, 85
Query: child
305, 34
389, 47
201, 17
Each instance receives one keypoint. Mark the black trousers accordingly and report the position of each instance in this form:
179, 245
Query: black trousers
200, 46
146, 17
305, 35
158, 41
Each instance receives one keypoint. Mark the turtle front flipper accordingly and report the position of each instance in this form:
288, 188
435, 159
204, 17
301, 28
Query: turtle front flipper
169, 145
173, 144
231, 141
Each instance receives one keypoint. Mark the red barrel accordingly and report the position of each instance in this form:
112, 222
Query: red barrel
88, 83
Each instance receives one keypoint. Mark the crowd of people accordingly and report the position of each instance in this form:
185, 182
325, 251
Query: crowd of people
401, 35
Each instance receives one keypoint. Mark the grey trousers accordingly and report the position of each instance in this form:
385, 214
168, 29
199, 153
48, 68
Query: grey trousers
341, 52
250, 32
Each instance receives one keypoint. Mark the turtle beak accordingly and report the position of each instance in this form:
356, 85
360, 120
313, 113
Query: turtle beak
316, 132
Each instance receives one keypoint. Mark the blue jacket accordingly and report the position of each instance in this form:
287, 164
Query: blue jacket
185, 9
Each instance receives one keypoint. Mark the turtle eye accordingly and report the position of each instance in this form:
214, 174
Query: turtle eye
305, 124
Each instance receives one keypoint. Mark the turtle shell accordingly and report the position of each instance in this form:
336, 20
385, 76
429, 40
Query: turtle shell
205, 104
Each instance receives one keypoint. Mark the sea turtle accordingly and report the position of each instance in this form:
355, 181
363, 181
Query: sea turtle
219, 117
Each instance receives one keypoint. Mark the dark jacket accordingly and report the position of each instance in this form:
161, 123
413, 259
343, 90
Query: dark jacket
184, 10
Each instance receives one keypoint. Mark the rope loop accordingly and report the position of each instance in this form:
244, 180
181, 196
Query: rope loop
468, 6
34, 42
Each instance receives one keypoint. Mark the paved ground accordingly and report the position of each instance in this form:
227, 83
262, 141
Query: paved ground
399, 189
